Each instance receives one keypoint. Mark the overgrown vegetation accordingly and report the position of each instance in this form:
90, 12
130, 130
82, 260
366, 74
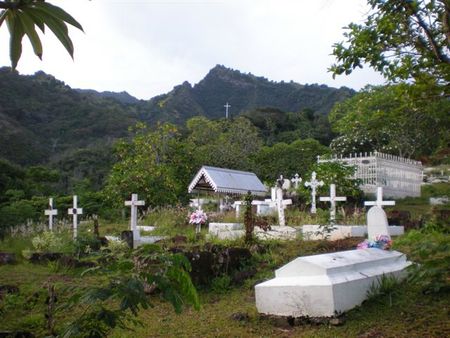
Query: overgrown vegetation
112, 297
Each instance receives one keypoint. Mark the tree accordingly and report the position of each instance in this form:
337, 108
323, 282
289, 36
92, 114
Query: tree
155, 164
393, 119
223, 143
333, 173
23, 16
401, 39
287, 159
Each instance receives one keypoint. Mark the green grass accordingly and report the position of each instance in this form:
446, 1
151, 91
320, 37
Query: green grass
404, 312
412, 313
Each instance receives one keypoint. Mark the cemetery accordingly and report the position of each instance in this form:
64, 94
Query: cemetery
181, 199
317, 277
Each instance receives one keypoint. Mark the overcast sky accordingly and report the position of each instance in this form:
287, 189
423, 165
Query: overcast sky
146, 47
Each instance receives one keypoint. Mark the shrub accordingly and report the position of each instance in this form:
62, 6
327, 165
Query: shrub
47, 242
430, 251
221, 284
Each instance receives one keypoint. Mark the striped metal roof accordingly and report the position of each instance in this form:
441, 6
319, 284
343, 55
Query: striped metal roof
227, 181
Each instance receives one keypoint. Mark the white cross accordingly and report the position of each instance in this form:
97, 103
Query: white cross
333, 199
281, 205
296, 180
379, 202
75, 211
50, 212
313, 184
134, 203
226, 110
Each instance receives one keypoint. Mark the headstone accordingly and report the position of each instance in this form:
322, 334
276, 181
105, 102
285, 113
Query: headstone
50, 212
314, 184
75, 211
127, 237
328, 284
379, 202
133, 204
296, 180
333, 199
377, 223
281, 204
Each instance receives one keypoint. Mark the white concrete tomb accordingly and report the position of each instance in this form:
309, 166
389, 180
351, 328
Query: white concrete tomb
328, 284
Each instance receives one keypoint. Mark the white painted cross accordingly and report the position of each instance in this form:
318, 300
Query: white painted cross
75, 211
314, 183
227, 106
281, 204
296, 180
134, 203
379, 202
50, 212
333, 199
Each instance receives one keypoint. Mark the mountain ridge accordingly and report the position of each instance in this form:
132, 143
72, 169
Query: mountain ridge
44, 120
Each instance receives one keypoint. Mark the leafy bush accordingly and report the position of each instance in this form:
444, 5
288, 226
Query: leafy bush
430, 251
117, 302
47, 242
117, 248
384, 286
85, 244
221, 284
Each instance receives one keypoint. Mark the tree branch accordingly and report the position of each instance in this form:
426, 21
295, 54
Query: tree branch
436, 50
446, 19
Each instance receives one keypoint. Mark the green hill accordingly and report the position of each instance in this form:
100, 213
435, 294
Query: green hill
244, 92
44, 121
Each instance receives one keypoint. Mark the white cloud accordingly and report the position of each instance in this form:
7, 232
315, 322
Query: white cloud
146, 47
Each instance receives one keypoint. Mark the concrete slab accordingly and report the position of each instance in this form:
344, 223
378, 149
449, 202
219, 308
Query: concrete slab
328, 284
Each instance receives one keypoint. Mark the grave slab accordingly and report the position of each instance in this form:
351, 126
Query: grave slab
236, 230
312, 231
214, 228
328, 284
146, 228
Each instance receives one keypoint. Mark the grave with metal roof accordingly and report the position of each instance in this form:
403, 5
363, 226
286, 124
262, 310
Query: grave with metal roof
226, 181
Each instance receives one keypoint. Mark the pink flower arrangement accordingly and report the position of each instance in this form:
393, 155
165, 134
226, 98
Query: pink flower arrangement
383, 242
198, 217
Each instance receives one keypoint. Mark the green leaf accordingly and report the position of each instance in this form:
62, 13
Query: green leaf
16, 35
59, 28
37, 17
3, 16
30, 31
57, 13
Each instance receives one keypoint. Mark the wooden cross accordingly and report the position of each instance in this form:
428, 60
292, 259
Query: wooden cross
333, 199
227, 106
75, 211
134, 203
379, 202
296, 180
314, 183
50, 212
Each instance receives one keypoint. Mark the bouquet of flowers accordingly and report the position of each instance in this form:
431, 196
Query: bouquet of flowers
198, 217
383, 242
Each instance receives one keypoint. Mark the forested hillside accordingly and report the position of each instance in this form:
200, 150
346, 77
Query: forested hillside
43, 120
244, 92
